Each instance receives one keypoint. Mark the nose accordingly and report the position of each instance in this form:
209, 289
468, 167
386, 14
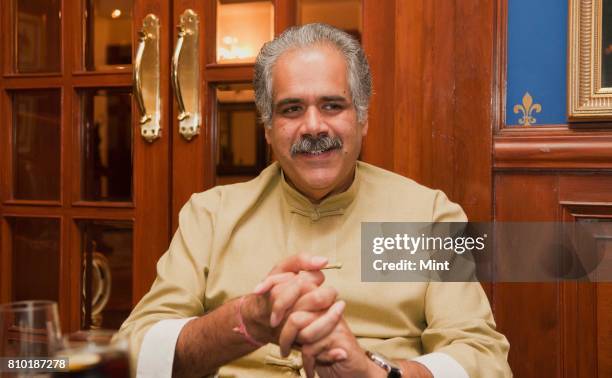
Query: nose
314, 123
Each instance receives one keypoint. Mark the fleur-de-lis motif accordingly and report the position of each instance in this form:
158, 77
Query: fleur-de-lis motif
528, 107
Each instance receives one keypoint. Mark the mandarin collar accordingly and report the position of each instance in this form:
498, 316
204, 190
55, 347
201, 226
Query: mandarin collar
333, 205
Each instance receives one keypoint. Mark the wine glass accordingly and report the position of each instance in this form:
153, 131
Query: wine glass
95, 353
29, 329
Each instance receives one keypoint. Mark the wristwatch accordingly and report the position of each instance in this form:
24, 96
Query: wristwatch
393, 371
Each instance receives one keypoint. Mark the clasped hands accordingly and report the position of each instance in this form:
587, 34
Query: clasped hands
291, 308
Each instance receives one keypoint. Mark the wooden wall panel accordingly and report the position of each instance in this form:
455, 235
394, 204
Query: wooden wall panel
378, 43
431, 115
553, 148
588, 330
437, 117
412, 77
604, 330
555, 172
473, 111
529, 314
570, 320
589, 187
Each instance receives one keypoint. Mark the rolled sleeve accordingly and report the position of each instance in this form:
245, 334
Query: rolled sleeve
157, 349
442, 365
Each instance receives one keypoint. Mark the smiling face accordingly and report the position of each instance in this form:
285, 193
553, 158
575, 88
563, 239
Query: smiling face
312, 100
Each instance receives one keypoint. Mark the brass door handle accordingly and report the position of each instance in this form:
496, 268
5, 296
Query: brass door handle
145, 117
183, 114
185, 74
147, 79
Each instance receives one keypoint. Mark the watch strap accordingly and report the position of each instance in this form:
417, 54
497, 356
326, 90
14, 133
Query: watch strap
393, 371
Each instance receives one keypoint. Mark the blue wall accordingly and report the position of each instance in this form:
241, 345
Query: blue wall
537, 59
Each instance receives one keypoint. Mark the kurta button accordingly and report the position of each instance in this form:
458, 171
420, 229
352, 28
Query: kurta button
315, 216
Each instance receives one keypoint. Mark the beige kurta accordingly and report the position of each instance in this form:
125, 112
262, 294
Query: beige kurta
229, 237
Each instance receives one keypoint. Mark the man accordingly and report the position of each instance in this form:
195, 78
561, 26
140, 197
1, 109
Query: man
217, 308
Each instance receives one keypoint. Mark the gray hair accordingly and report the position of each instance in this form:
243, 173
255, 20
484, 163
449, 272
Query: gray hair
358, 71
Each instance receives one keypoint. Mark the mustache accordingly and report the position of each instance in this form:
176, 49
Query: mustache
315, 145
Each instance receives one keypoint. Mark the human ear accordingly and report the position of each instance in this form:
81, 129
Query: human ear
364, 129
267, 132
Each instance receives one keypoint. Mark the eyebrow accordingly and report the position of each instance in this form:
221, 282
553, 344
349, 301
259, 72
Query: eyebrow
334, 98
286, 101
292, 100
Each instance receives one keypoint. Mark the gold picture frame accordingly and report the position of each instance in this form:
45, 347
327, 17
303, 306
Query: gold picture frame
587, 98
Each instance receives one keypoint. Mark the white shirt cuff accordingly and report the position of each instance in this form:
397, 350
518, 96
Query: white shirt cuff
441, 365
157, 349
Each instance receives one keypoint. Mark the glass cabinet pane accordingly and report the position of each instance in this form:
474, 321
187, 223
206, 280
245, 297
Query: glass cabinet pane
242, 28
241, 146
106, 142
106, 273
36, 144
108, 34
343, 14
35, 258
37, 35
